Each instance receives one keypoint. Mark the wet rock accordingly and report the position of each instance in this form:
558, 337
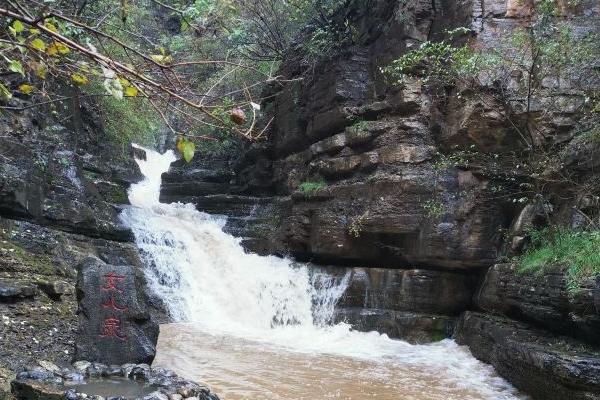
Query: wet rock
417, 290
55, 289
35, 375
10, 292
49, 366
156, 396
541, 364
412, 327
114, 322
35, 390
140, 372
40, 384
82, 366
542, 299
73, 376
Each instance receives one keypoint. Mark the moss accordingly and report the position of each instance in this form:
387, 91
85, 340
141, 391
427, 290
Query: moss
577, 250
17, 259
310, 187
438, 335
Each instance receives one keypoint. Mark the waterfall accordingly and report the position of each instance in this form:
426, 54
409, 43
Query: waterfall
205, 277
203, 274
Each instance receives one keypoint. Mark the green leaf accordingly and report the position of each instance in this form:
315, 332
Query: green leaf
5, 93
51, 27
16, 66
18, 26
187, 149
38, 44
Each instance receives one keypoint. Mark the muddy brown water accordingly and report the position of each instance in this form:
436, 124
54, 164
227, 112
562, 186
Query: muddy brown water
237, 368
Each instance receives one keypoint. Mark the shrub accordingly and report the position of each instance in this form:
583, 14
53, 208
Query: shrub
434, 208
579, 251
356, 225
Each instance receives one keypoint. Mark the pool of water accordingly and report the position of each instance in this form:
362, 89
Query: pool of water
238, 368
122, 387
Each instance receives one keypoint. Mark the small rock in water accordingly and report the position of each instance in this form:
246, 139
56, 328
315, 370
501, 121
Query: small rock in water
156, 396
81, 366
47, 365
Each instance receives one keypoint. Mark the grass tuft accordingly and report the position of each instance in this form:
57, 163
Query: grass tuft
309, 187
579, 251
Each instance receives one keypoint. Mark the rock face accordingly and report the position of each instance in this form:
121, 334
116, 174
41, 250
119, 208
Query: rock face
419, 306
46, 180
542, 300
549, 367
428, 291
114, 319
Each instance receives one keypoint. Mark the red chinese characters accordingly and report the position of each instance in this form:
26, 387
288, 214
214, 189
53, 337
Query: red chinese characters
113, 305
111, 326
111, 281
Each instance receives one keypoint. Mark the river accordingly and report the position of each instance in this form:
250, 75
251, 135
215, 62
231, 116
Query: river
255, 327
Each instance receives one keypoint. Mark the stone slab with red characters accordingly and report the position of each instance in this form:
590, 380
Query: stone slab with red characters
115, 326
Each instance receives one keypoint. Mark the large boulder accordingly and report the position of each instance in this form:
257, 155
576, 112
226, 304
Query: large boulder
115, 326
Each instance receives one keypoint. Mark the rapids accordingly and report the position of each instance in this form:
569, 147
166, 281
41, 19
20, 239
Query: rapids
260, 327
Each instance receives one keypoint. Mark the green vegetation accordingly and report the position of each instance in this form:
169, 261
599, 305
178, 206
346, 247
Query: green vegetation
355, 227
579, 251
535, 61
129, 120
434, 208
310, 187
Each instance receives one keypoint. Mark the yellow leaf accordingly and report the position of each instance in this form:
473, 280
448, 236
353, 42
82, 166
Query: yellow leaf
41, 71
62, 48
34, 31
124, 82
79, 79
130, 91
25, 88
51, 27
52, 50
38, 44
161, 59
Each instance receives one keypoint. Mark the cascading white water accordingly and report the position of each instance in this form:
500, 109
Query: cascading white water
204, 276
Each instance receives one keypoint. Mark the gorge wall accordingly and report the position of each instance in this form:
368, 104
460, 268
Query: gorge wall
350, 178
